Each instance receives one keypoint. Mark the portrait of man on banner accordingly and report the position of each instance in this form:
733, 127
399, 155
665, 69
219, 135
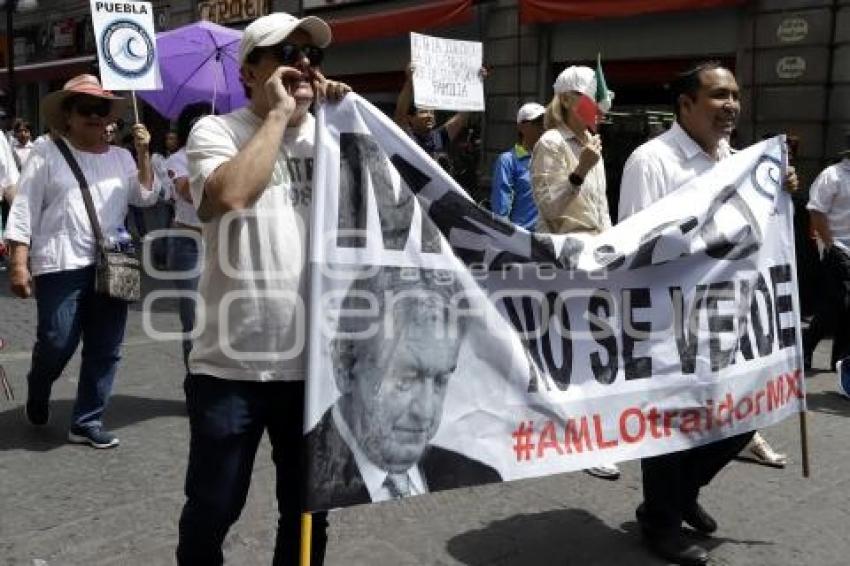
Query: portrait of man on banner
394, 352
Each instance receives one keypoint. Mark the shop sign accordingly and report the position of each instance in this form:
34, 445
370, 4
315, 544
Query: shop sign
792, 30
63, 34
161, 17
313, 4
232, 11
790, 67
22, 49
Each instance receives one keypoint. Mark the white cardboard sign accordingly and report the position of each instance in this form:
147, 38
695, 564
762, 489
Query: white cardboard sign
446, 73
126, 45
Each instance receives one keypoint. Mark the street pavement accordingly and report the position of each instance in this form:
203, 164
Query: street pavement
63, 504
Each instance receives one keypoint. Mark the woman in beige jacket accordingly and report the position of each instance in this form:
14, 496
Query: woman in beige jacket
567, 171
568, 175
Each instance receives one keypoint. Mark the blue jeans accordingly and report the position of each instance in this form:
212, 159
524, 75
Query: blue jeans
183, 256
158, 217
68, 309
227, 419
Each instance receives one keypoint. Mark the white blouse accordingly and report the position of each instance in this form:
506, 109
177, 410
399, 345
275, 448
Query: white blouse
49, 213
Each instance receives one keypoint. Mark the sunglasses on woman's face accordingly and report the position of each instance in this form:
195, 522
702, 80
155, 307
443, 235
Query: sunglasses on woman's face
289, 54
97, 106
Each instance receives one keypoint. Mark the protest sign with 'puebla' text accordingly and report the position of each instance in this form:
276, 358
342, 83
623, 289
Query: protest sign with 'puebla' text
448, 347
446, 73
126, 45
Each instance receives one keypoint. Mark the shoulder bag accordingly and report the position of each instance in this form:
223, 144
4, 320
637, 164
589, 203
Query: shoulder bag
117, 272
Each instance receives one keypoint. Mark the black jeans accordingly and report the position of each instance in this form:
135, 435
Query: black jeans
671, 482
227, 420
833, 307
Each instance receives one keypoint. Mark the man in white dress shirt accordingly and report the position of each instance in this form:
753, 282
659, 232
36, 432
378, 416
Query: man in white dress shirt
829, 211
707, 106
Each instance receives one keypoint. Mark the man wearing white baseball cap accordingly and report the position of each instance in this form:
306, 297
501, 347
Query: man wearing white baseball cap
510, 189
250, 175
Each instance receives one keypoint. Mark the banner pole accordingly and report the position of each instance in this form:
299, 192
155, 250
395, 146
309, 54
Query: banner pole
804, 441
306, 537
135, 106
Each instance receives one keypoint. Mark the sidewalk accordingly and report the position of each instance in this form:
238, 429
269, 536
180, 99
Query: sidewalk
64, 505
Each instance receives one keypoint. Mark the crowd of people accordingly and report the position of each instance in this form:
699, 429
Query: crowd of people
552, 180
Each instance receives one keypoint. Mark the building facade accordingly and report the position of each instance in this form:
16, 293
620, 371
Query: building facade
792, 57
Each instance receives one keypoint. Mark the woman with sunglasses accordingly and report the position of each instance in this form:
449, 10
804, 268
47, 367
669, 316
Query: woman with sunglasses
53, 249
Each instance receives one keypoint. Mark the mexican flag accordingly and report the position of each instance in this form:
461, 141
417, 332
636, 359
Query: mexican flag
591, 110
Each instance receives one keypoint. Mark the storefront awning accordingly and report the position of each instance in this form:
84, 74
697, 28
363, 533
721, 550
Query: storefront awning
393, 23
551, 11
48, 70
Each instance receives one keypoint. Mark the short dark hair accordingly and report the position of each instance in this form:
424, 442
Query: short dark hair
188, 116
413, 109
690, 81
21, 124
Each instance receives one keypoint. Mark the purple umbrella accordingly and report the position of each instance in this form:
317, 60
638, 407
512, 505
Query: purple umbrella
198, 63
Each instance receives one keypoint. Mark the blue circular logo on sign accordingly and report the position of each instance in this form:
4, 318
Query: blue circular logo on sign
127, 49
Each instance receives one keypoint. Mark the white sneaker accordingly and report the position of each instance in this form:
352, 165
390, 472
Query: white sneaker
605, 472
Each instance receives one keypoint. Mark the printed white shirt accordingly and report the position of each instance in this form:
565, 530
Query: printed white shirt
373, 476
49, 213
662, 165
254, 278
830, 195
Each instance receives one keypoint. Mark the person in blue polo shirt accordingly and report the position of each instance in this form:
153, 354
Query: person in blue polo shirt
510, 191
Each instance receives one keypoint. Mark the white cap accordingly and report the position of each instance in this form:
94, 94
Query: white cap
529, 111
576, 79
274, 28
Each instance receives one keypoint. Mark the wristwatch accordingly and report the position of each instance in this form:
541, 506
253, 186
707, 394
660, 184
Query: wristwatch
575, 180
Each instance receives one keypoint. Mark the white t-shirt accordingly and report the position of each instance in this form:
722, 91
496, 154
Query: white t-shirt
23, 151
830, 194
8, 169
49, 212
158, 166
662, 165
253, 283
177, 166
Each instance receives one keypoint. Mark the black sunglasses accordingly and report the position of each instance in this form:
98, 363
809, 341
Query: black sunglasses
98, 106
288, 53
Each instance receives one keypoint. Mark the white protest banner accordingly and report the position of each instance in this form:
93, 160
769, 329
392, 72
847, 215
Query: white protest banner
447, 73
126, 45
448, 347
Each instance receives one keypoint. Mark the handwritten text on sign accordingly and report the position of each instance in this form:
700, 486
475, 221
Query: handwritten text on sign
446, 73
